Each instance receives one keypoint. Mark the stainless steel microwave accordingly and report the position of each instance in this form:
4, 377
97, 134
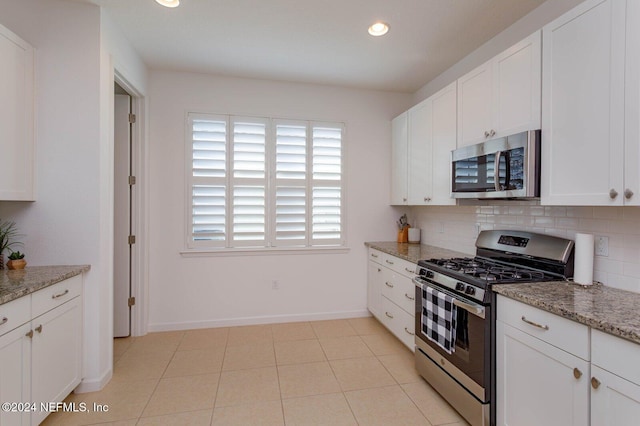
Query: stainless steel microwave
507, 167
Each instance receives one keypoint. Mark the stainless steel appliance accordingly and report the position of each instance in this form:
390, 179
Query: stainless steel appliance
466, 376
507, 167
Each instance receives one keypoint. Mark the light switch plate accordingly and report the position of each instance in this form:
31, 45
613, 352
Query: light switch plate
602, 246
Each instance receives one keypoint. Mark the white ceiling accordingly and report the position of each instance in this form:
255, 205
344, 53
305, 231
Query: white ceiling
314, 41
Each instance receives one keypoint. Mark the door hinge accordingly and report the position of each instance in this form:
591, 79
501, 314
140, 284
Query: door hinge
132, 180
131, 301
132, 239
132, 118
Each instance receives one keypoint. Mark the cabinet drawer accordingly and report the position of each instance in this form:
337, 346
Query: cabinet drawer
55, 295
400, 290
616, 355
553, 329
15, 313
400, 323
396, 264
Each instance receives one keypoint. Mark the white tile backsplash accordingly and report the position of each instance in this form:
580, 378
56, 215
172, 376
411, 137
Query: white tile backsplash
461, 224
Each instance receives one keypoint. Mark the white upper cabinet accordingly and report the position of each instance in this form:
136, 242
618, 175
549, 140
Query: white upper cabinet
583, 109
632, 107
399, 158
432, 137
502, 96
16, 118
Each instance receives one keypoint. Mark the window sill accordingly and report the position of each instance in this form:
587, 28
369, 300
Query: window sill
262, 251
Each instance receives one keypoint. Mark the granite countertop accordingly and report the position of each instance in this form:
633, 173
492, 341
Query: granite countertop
17, 283
603, 308
413, 252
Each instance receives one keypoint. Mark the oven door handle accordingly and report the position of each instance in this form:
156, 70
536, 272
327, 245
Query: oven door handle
477, 310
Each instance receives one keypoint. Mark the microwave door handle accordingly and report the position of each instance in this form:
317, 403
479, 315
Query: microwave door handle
496, 171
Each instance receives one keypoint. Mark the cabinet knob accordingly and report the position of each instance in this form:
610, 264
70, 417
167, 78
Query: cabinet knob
427, 199
595, 383
628, 194
577, 373
39, 328
404, 199
29, 334
613, 193
4, 320
492, 132
486, 133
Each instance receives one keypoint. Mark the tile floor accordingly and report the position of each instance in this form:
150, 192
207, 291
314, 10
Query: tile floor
341, 372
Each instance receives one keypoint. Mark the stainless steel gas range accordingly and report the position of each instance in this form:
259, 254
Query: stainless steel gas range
455, 312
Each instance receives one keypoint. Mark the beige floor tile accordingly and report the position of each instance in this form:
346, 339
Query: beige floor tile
132, 422
345, 347
384, 406
292, 331
432, 405
154, 343
249, 356
368, 325
140, 367
206, 338
331, 409
248, 386
307, 379
402, 367
126, 400
196, 361
191, 418
385, 344
298, 352
333, 328
181, 394
120, 346
249, 335
259, 413
361, 373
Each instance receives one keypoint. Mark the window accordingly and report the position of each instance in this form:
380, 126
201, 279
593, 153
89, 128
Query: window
257, 182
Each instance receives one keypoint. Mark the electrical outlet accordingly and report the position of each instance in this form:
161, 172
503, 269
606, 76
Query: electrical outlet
441, 227
602, 246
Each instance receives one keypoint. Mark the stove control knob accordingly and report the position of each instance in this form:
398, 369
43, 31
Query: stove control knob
428, 274
470, 290
460, 286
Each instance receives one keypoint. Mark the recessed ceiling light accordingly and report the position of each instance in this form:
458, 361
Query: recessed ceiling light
169, 3
378, 29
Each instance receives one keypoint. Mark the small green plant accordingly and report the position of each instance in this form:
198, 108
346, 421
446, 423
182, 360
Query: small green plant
8, 235
15, 255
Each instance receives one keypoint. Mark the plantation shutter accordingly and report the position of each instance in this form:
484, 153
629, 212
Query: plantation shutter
249, 181
290, 188
208, 180
327, 185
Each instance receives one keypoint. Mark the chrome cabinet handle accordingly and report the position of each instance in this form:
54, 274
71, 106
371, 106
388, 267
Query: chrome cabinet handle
595, 383
389, 262
613, 193
374, 255
4, 320
577, 373
492, 132
409, 297
409, 331
486, 133
388, 285
55, 296
411, 271
29, 334
628, 193
535, 324
39, 328
388, 315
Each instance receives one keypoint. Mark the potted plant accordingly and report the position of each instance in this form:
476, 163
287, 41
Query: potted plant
16, 260
8, 235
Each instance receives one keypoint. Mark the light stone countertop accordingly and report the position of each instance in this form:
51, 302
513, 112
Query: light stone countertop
21, 282
414, 252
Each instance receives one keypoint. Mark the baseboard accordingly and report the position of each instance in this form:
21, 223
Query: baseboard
94, 385
189, 325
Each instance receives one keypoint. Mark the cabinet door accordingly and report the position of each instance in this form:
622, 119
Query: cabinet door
516, 83
583, 105
614, 400
16, 118
399, 156
375, 279
443, 141
15, 374
474, 105
56, 354
632, 107
420, 157
537, 383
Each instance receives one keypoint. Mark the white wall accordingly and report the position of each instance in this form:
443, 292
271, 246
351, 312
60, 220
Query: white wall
190, 292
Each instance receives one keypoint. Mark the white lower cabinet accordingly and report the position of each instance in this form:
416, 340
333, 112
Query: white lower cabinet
540, 383
391, 294
41, 357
